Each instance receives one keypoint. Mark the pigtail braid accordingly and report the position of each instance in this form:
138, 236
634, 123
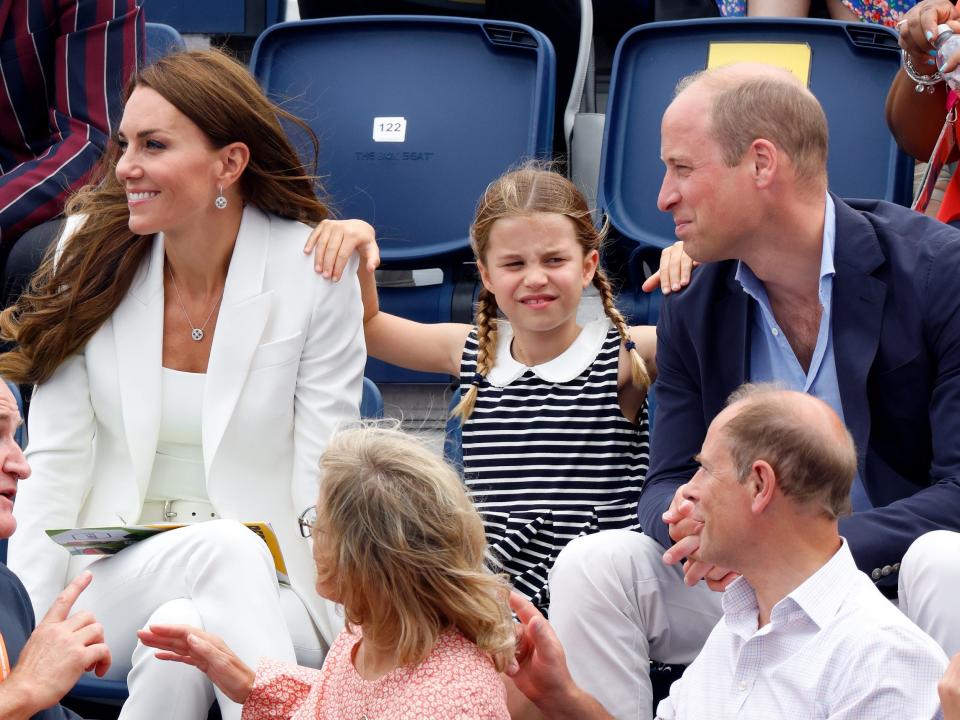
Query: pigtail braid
638, 368
486, 352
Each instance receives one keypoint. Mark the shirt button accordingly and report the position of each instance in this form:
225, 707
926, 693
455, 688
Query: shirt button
775, 331
741, 686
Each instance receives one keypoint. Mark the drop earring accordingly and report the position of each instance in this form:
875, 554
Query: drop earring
221, 201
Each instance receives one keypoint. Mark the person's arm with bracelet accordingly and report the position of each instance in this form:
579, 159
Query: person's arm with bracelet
915, 118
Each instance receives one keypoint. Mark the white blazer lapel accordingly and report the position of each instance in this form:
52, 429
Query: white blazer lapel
138, 336
240, 324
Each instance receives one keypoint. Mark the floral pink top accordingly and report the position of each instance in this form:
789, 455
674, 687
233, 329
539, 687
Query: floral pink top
457, 681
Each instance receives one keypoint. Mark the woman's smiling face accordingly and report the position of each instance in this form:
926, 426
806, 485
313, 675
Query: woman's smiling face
168, 167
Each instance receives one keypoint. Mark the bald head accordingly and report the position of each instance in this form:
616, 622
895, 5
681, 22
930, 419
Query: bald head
751, 101
802, 439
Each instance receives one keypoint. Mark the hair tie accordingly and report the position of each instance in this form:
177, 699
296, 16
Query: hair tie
630, 345
477, 379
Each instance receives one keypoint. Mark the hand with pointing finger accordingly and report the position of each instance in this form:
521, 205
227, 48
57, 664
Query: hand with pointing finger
58, 652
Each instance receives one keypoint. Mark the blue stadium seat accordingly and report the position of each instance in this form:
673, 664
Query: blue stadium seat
371, 403
216, 17
415, 115
851, 67
162, 40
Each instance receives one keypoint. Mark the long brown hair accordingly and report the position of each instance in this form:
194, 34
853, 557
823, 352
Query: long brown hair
76, 289
529, 190
405, 547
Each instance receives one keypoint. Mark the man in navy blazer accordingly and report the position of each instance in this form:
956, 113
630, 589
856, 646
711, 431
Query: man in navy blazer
38, 666
854, 302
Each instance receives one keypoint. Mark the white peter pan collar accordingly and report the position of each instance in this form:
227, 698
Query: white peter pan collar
563, 368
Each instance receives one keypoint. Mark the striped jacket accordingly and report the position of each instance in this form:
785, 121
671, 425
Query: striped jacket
63, 67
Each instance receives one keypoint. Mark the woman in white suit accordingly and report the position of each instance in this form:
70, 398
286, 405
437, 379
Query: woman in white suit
191, 365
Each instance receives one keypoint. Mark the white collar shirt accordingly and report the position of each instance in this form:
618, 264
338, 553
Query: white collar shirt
834, 648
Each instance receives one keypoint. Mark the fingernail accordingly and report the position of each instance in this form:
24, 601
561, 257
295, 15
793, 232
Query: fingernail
929, 34
675, 286
931, 61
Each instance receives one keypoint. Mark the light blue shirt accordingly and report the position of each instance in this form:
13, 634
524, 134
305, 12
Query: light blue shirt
772, 358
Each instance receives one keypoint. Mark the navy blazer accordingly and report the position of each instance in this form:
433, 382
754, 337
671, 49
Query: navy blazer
896, 334
16, 624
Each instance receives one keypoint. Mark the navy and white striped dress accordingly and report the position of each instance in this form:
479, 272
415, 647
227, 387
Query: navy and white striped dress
547, 453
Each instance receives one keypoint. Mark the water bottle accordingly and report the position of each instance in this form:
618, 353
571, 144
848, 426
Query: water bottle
948, 43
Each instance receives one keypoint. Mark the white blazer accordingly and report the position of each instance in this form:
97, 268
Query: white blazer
286, 367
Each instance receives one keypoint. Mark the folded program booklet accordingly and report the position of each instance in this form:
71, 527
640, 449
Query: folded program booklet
111, 540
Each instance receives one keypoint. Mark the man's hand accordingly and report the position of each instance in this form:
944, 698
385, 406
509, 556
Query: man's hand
205, 651
540, 671
336, 240
674, 273
949, 690
685, 532
918, 30
60, 650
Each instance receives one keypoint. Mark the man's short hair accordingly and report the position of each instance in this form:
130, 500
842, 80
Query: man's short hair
813, 465
779, 109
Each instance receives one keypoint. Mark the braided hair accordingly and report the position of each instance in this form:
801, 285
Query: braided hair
534, 188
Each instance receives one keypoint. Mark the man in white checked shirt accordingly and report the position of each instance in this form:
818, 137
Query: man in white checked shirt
804, 634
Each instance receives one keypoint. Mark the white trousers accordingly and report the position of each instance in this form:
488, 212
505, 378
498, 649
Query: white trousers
616, 606
216, 575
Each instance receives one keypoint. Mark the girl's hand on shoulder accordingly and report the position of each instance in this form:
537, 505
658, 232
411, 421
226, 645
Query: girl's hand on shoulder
675, 270
334, 241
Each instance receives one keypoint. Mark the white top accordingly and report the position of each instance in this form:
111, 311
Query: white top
834, 648
178, 466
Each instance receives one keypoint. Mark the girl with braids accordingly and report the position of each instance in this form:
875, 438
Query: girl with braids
554, 413
190, 365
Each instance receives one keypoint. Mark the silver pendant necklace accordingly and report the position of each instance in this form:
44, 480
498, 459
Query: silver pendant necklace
195, 332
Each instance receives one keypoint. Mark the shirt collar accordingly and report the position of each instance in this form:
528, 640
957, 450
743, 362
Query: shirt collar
818, 597
563, 368
752, 285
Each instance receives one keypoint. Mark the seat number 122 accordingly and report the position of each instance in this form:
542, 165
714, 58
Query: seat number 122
389, 129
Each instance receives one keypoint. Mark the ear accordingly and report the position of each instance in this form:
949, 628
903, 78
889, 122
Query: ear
233, 161
761, 485
590, 262
764, 159
484, 275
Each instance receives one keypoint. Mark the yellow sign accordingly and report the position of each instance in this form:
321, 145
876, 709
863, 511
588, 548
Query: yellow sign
794, 57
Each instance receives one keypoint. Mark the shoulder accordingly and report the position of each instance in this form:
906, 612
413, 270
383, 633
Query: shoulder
289, 269
696, 305
472, 687
907, 239
870, 629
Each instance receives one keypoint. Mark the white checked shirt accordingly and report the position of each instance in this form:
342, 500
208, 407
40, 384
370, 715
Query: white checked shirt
834, 648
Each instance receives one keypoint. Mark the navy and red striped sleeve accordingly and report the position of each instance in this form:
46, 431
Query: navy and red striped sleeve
64, 65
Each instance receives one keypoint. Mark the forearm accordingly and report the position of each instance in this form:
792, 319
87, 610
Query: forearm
575, 704
16, 699
915, 119
368, 292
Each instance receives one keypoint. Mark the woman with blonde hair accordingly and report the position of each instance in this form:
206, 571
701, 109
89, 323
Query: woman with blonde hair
190, 365
399, 544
